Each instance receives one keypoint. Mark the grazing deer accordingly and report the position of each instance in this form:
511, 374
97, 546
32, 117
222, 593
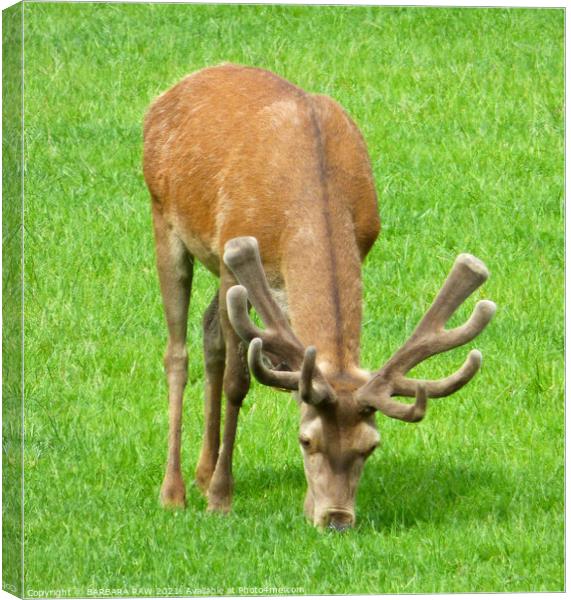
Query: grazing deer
271, 188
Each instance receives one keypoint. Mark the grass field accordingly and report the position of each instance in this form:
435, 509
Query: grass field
462, 111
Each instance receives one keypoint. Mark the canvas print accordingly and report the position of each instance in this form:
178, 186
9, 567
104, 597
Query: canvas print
282, 300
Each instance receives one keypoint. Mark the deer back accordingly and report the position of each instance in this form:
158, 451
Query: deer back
236, 151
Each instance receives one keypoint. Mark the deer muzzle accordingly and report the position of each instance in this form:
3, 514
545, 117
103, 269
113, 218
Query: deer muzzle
339, 519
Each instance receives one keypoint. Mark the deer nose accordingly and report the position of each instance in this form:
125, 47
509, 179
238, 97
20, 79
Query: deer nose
340, 520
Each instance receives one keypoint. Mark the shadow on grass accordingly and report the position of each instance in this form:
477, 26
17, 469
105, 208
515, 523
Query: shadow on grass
400, 493
405, 491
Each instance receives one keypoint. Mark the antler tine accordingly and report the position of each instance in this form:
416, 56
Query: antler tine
287, 380
306, 375
411, 413
242, 257
441, 388
276, 340
237, 303
310, 391
468, 274
430, 338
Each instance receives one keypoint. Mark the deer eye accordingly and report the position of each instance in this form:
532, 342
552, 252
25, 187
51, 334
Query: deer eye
304, 441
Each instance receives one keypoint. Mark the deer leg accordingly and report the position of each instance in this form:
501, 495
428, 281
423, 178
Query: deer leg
214, 361
175, 266
236, 384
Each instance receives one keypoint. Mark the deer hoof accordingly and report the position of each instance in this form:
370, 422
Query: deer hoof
219, 505
173, 494
220, 493
219, 500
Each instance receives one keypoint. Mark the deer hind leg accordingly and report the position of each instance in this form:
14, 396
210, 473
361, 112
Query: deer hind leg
214, 361
175, 267
236, 384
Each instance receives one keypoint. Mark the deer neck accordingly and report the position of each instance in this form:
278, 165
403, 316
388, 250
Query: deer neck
322, 275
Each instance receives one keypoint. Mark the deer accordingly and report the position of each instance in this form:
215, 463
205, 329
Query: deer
271, 189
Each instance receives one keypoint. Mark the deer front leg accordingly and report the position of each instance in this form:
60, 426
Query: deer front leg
172, 490
236, 385
214, 361
175, 266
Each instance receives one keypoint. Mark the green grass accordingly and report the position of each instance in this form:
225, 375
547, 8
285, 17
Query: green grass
12, 300
462, 111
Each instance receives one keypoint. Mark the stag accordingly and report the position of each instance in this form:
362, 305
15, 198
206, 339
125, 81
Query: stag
271, 189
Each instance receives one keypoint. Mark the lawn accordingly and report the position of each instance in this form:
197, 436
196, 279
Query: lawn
462, 112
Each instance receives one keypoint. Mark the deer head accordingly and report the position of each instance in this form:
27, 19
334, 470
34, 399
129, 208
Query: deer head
337, 430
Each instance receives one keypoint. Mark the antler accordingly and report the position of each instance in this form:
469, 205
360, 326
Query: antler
242, 257
430, 338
